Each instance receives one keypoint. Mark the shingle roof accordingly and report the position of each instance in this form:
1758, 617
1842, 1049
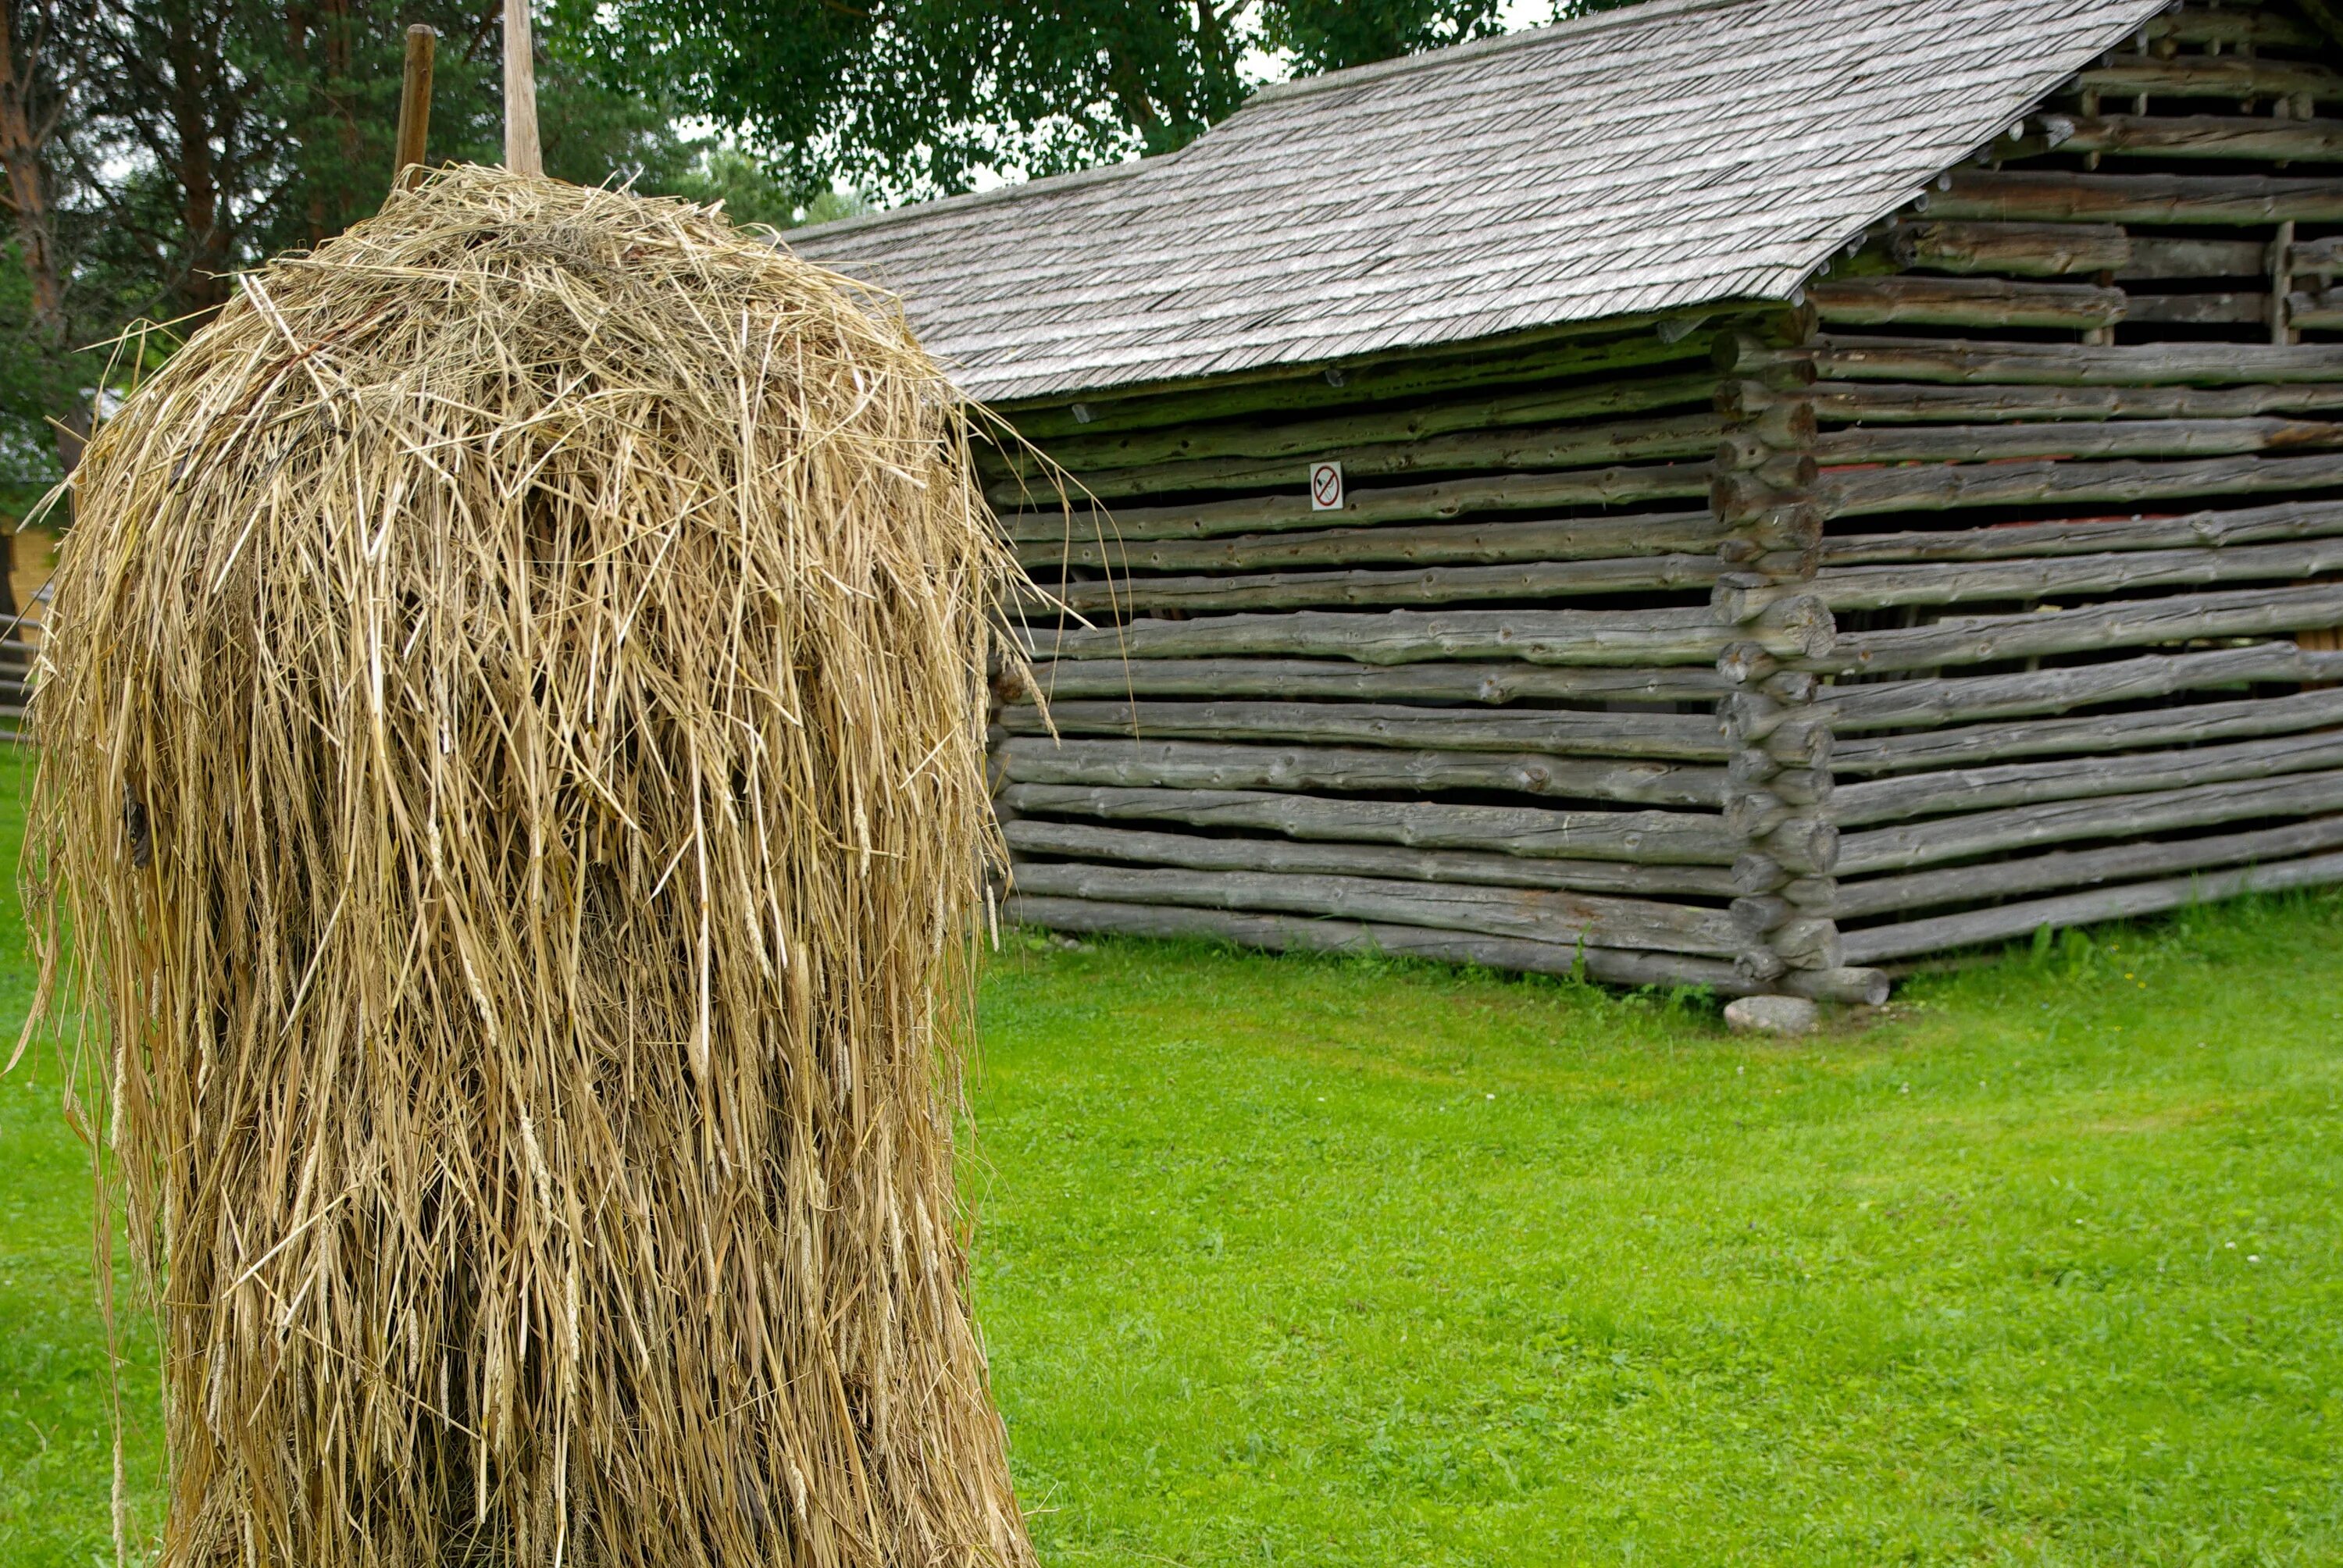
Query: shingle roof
1674, 153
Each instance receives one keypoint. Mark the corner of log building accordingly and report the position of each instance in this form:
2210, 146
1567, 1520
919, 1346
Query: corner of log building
1988, 583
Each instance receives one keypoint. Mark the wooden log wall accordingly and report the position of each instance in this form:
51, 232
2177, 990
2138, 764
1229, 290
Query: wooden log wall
1473, 714
2078, 471
1990, 585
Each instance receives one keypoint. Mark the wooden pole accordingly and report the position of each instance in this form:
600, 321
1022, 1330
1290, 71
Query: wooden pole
522, 154
414, 104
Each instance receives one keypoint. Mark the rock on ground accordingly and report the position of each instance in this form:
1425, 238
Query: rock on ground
1772, 1015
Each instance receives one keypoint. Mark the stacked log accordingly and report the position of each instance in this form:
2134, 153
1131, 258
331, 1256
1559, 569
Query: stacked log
1764, 494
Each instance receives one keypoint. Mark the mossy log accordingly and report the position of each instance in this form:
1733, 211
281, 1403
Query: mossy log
1909, 796
1951, 361
2055, 197
2231, 77
2214, 530
1984, 582
2023, 249
1310, 438
1976, 639
1912, 844
1383, 504
1919, 402
1666, 737
1422, 683
1639, 638
1950, 699
2133, 438
1308, 770
1646, 925
1031, 836
1971, 744
1667, 838
1485, 543
1535, 448
1879, 944
1980, 302
1412, 586
1923, 486
2081, 868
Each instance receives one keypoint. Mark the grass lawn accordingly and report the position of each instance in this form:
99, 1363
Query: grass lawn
1327, 1263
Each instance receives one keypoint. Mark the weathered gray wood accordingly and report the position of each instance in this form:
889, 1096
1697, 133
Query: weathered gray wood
1979, 582
2156, 257
1558, 539
2047, 197
2077, 439
2210, 529
1989, 302
1905, 797
1804, 846
1895, 704
1537, 448
1382, 504
1666, 737
2025, 249
2322, 311
2226, 307
1540, 915
1948, 486
2197, 723
1868, 987
1912, 844
1847, 358
1412, 586
1668, 838
1406, 637
1087, 842
1570, 351
1311, 438
1877, 944
1281, 933
1975, 639
1430, 683
2082, 869
1808, 942
2323, 256
2257, 136
2264, 29
1308, 770
1846, 402
2208, 76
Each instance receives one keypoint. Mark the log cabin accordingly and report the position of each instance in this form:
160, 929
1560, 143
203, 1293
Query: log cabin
1746, 493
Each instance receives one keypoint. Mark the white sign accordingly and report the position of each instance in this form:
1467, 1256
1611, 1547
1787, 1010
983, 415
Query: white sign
1325, 487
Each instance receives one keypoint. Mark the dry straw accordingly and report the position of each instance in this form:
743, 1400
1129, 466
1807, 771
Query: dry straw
513, 775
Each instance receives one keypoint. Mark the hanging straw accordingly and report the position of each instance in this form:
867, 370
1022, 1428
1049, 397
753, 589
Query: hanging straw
512, 781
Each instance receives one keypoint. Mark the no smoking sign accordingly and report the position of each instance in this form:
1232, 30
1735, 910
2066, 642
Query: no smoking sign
1325, 487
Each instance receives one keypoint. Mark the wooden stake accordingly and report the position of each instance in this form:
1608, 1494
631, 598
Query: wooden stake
521, 152
414, 105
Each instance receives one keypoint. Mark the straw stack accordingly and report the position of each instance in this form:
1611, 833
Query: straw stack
513, 784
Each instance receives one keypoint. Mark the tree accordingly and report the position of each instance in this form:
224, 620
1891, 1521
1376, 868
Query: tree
914, 97
43, 45
152, 149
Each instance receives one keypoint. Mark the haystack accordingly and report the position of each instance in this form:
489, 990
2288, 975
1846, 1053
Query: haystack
513, 779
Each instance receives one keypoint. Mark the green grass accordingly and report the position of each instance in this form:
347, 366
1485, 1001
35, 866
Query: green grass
1327, 1263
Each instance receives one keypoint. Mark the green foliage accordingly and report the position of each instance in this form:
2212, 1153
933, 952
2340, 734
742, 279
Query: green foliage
918, 97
